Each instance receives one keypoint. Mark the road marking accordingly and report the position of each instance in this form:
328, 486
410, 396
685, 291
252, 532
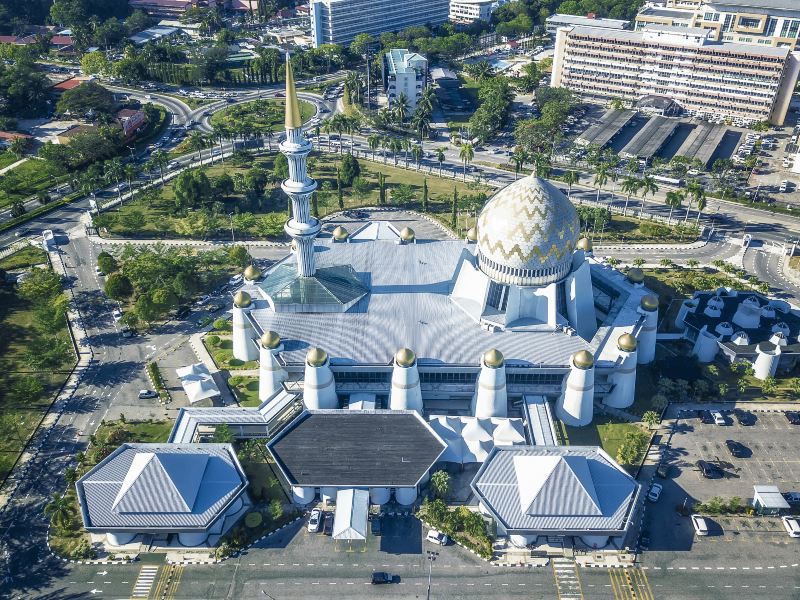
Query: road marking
144, 582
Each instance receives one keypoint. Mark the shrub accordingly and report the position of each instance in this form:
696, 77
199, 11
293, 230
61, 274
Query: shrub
222, 325
349, 170
213, 340
235, 380
253, 519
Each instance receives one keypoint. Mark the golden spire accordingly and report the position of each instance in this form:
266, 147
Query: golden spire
293, 120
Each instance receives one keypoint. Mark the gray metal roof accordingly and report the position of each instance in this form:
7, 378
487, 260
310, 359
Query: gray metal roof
160, 486
556, 489
774, 8
190, 418
408, 306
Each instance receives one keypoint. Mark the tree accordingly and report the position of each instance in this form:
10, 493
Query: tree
650, 418
381, 188
440, 484
630, 185
191, 188
402, 194
275, 509
466, 154
118, 286
18, 147
424, 195
42, 285
17, 209
90, 98
107, 263
519, 157
349, 169
95, 63
59, 509
280, 167
71, 475
454, 209
440, 157
768, 386
600, 179
648, 186
673, 200
223, 434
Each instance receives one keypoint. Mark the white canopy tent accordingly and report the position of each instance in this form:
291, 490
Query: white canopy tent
350, 520
470, 439
197, 382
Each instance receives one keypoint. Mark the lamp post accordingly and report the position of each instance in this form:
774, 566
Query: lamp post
233, 239
431, 557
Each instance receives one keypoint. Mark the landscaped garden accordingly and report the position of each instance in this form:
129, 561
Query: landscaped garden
245, 389
258, 116
622, 441
27, 257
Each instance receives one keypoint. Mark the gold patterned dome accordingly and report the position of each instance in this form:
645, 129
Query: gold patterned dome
527, 233
626, 342
649, 302
407, 234
405, 357
242, 300
340, 234
270, 340
493, 358
472, 234
251, 273
635, 275
583, 359
316, 357
585, 244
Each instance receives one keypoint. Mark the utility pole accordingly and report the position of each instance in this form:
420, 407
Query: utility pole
431, 557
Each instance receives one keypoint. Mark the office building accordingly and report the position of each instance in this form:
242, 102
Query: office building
405, 73
745, 83
553, 22
172, 8
339, 21
762, 22
469, 11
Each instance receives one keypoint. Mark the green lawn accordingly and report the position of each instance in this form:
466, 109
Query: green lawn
245, 389
7, 158
260, 115
222, 354
26, 180
603, 431
27, 257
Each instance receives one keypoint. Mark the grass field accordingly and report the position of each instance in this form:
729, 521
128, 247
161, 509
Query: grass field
27, 257
260, 115
222, 353
7, 158
26, 180
245, 389
603, 431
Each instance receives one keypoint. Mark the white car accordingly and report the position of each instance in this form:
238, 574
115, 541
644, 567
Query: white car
117, 314
792, 526
144, 394
654, 493
700, 525
314, 521
98, 271
437, 537
719, 418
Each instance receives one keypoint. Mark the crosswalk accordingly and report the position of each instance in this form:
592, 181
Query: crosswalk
630, 584
568, 582
144, 582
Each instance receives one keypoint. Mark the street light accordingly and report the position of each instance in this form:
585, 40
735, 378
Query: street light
431, 557
233, 239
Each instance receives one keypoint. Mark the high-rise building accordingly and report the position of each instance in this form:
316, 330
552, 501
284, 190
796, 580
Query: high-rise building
763, 22
405, 73
339, 21
747, 83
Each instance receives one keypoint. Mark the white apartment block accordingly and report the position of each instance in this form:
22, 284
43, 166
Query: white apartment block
469, 11
553, 22
763, 22
706, 78
339, 21
404, 72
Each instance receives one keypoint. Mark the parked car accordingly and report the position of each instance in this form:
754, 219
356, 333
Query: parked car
744, 417
792, 497
202, 300
654, 493
375, 525
98, 271
145, 394
212, 308
327, 524
793, 417
709, 471
117, 314
700, 525
314, 521
663, 470
792, 526
719, 418
182, 312
736, 449
706, 417
235, 280
380, 577
127, 332
437, 537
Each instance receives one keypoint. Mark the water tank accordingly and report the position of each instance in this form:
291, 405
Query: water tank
120, 538
302, 495
521, 541
192, 539
595, 541
406, 496
379, 495
328, 494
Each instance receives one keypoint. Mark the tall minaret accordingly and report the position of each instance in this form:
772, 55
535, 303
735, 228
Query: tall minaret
302, 227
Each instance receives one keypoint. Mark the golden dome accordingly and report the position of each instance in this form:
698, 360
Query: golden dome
493, 358
270, 340
635, 275
650, 302
316, 357
583, 359
405, 357
242, 300
340, 234
584, 244
251, 273
626, 342
472, 234
407, 234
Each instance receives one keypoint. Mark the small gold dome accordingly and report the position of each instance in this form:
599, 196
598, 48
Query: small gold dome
472, 234
242, 300
626, 342
316, 357
340, 234
650, 302
635, 275
270, 340
493, 358
251, 273
584, 244
583, 359
405, 357
407, 234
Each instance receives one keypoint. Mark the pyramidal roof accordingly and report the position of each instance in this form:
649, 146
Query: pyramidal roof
556, 485
161, 482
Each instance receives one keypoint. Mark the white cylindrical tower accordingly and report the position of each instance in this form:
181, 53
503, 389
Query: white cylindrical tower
768, 356
302, 495
303, 227
624, 376
319, 387
120, 538
406, 392
405, 495
491, 397
706, 346
244, 347
646, 339
687, 306
328, 494
379, 495
270, 374
575, 407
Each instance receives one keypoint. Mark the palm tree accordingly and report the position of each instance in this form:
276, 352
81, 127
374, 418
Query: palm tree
18, 147
649, 186
131, 172
327, 127
519, 158
674, 200
440, 157
221, 131
466, 154
114, 172
59, 510
570, 178
406, 147
395, 145
373, 141
630, 185
701, 204
400, 108
416, 152
696, 193
384, 146
160, 159
600, 179
197, 141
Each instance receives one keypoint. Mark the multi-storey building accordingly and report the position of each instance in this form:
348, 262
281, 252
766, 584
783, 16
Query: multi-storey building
468, 11
706, 78
405, 73
173, 8
553, 22
763, 22
339, 21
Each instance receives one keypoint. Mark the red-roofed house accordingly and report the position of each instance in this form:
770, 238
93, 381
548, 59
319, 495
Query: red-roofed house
67, 84
6, 137
131, 120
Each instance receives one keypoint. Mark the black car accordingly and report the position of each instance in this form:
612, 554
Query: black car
375, 525
736, 449
379, 577
327, 525
793, 417
705, 417
182, 312
744, 417
710, 471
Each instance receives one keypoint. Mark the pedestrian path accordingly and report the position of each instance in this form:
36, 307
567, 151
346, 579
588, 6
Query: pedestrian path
144, 583
568, 582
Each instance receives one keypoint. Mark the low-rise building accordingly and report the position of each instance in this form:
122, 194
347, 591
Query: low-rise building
406, 73
131, 120
65, 137
553, 22
153, 34
172, 8
468, 11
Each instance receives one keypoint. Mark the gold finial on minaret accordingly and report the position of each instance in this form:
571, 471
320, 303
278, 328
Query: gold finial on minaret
293, 119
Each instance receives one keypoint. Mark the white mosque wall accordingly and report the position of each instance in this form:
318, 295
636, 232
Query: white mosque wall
766, 363
244, 335
303, 495
192, 539
120, 538
470, 290
580, 302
